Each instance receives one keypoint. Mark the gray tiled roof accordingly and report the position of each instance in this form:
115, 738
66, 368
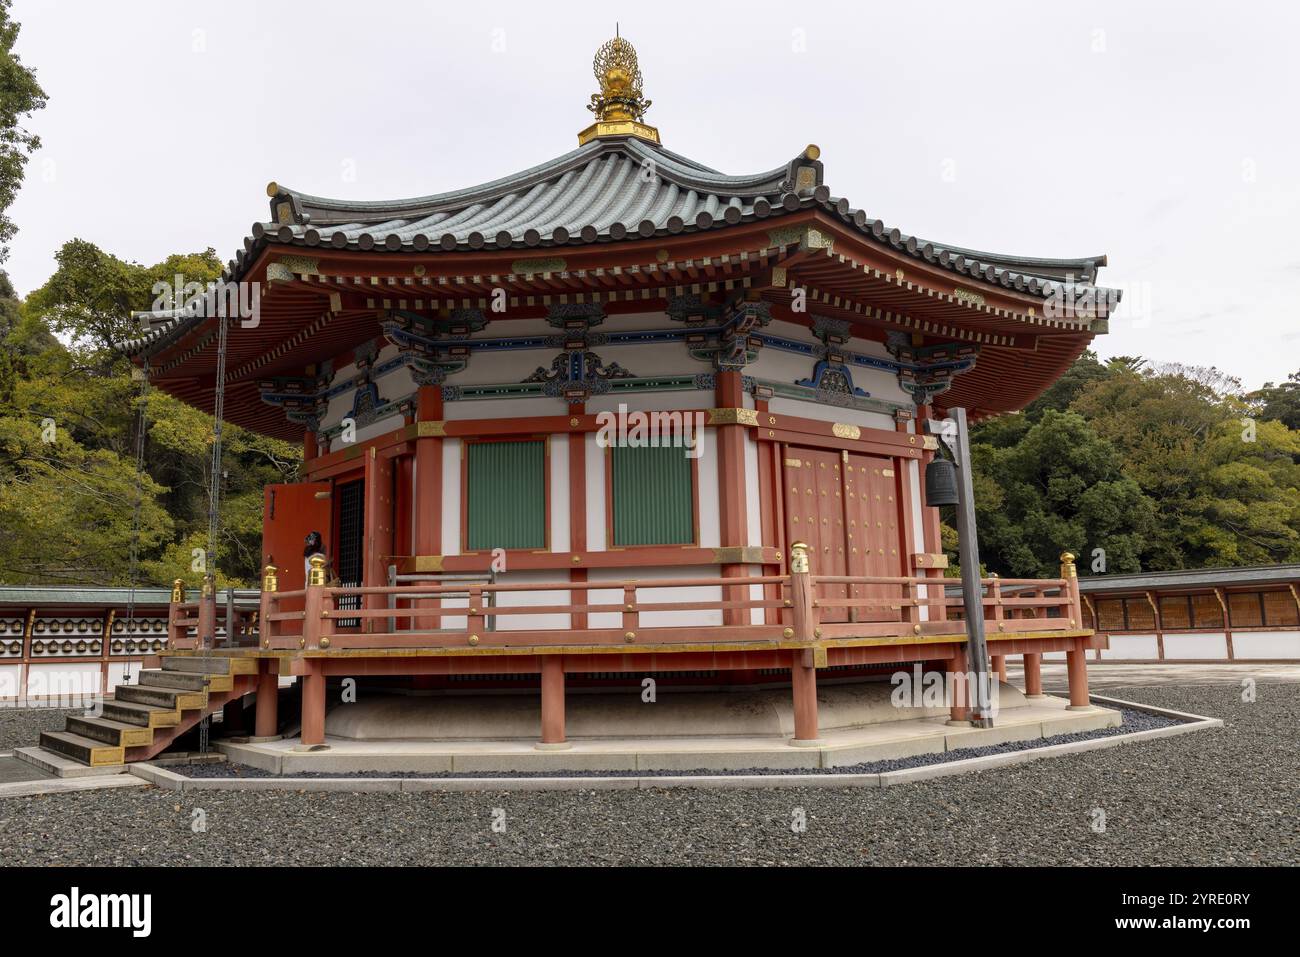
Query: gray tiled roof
605, 191
1192, 578
610, 189
36, 596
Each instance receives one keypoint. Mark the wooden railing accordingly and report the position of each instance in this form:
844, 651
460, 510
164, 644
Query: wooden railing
234, 620
460, 615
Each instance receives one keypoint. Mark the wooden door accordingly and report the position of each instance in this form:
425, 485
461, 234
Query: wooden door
814, 513
875, 534
289, 512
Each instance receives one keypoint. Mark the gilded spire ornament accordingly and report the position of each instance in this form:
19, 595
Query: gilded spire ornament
620, 104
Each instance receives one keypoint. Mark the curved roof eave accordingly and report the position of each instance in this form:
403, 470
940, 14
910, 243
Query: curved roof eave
640, 191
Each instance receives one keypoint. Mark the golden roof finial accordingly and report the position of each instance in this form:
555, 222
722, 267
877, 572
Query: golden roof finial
620, 105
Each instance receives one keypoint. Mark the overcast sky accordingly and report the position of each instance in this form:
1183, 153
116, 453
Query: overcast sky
1164, 135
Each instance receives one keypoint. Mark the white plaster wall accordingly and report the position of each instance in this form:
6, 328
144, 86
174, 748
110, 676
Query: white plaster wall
503, 365
831, 413
1134, 647
60, 679
451, 494
367, 432
656, 619
1266, 644
10, 675
116, 669
1195, 645
526, 599
790, 366
559, 447
654, 401
595, 474
710, 511
502, 408
753, 509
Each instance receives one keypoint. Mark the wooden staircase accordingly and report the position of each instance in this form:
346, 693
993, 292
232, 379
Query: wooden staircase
146, 717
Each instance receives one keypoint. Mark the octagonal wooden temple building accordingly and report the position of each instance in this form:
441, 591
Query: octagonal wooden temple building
569, 428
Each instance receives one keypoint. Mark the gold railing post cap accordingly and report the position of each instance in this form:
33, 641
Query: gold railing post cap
1067, 558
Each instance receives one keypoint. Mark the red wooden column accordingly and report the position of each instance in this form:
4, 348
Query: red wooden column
426, 496
803, 671
1033, 674
552, 703
313, 704
266, 717
378, 525
731, 490
960, 711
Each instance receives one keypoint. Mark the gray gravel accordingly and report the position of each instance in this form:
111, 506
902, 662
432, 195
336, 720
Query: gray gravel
1217, 797
22, 727
1133, 721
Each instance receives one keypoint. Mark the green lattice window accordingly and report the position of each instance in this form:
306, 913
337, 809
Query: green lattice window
506, 489
653, 495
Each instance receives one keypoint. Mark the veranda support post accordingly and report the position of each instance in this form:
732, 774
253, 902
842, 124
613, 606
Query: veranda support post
552, 703
1076, 662
803, 670
313, 682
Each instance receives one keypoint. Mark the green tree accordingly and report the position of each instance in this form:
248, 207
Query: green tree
1060, 487
20, 97
1279, 403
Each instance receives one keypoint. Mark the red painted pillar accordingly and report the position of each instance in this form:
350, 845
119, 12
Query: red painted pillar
1076, 666
1034, 674
1000, 666
552, 701
960, 712
313, 706
266, 720
803, 684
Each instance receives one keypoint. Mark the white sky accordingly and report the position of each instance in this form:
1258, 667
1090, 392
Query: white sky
1162, 134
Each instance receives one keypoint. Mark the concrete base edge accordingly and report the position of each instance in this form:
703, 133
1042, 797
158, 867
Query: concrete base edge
169, 779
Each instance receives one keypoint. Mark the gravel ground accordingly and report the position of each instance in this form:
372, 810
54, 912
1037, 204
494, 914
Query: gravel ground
1216, 797
1133, 721
22, 727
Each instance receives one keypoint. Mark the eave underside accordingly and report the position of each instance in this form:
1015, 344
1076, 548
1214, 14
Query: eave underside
310, 317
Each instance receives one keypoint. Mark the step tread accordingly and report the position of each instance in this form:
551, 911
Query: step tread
145, 711
191, 664
190, 678
110, 723
96, 753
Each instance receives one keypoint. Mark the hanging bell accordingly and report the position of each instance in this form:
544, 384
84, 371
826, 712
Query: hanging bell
940, 483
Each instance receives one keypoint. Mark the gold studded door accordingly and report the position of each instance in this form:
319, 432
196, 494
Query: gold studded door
874, 533
814, 513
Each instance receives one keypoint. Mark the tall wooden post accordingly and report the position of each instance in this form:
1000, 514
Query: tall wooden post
1076, 660
971, 586
552, 704
313, 682
1033, 674
803, 671
266, 717
959, 713
313, 705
